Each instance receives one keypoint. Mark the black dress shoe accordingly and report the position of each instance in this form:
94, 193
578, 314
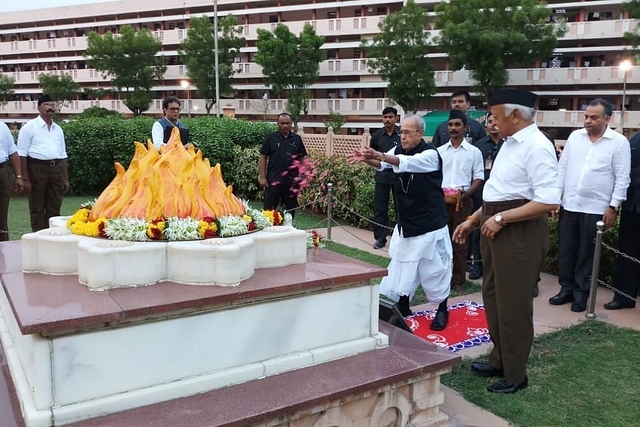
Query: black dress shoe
380, 243
615, 305
502, 387
486, 370
536, 291
563, 297
579, 306
440, 321
476, 271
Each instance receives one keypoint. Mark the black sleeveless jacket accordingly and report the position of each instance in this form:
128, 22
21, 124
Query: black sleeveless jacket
419, 197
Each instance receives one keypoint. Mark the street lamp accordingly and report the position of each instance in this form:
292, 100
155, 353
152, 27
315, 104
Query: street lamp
624, 66
215, 62
185, 84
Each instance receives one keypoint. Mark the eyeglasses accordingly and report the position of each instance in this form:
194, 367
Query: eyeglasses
407, 132
174, 109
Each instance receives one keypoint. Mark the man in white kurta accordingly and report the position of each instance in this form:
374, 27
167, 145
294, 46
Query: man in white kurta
420, 248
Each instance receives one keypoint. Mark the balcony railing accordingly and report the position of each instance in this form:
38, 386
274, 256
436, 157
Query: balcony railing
255, 108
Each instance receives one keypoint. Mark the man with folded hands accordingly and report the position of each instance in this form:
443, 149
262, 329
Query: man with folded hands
517, 197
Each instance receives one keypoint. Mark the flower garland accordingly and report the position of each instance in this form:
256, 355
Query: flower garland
314, 239
172, 229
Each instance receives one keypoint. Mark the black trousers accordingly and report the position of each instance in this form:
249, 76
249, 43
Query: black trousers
576, 234
627, 273
5, 195
280, 194
381, 210
47, 191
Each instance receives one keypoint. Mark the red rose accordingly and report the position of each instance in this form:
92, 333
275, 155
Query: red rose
252, 226
209, 234
208, 219
101, 232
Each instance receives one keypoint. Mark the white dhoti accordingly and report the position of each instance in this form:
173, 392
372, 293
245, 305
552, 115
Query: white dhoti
425, 260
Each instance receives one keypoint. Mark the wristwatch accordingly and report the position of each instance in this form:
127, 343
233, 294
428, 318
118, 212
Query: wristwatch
613, 209
498, 219
382, 157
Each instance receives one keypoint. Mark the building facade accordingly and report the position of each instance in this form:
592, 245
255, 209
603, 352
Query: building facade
585, 64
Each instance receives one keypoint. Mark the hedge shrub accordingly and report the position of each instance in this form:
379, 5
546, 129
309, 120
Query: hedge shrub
94, 144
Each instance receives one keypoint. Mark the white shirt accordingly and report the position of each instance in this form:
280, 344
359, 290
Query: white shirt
525, 168
426, 161
157, 135
460, 166
37, 141
7, 144
594, 175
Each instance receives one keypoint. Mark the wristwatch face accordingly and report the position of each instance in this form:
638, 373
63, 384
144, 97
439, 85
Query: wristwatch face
499, 218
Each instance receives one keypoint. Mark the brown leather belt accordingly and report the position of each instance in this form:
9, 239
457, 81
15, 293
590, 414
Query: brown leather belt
50, 163
492, 208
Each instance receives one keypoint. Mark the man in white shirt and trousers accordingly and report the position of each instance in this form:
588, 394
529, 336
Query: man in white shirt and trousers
420, 247
462, 170
593, 176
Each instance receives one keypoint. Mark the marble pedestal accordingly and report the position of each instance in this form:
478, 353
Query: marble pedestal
305, 336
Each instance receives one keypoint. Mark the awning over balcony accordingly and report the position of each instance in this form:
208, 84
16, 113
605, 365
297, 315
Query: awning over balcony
434, 118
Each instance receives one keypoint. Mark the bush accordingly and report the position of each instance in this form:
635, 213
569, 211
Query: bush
364, 205
243, 173
348, 180
95, 144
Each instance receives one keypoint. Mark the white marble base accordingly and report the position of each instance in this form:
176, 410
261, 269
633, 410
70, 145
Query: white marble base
64, 379
105, 264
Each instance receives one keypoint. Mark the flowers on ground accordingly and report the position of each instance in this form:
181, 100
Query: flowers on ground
314, 239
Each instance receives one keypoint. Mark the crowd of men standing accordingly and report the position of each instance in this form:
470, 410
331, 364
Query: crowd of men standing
509, 179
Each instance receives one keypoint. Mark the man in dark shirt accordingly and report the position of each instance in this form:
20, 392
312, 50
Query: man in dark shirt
626, 277
460, 100
384, 140
279, 150
489, 147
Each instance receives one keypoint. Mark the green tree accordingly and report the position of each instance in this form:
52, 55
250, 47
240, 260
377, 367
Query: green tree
6, 88
488, 36
197, 52
335, 121
398, 54
61, 88
633, 37
131, 61
290, 64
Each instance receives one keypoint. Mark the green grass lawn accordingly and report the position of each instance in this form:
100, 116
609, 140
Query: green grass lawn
585, 375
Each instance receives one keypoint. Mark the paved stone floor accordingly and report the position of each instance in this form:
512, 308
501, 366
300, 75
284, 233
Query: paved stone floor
546, 318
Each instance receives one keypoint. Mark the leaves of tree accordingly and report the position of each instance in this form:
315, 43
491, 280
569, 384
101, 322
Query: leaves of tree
290, 64
489, 36
6, 88
197, 51
61, 88
399, 54
633, 8
130, 59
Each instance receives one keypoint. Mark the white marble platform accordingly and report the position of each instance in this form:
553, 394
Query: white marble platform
106, 264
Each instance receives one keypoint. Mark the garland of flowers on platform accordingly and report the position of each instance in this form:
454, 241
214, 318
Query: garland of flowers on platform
172, 229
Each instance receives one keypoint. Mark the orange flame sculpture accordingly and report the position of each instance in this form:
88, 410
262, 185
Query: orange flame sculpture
177, 183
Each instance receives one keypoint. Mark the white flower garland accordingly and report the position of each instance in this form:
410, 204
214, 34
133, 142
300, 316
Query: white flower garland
131, 229
181, 229
232, 226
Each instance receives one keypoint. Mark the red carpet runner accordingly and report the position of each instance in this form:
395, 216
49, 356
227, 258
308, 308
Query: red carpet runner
467, 326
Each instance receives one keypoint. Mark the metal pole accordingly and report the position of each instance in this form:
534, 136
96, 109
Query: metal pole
189, 100
591, 306
215, 46
329, 209
624, 101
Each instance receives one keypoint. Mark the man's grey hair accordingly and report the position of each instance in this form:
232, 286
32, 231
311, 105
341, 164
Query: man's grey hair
526, 113
416, 120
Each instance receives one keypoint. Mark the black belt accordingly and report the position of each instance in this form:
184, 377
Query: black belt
492, 208
50, 163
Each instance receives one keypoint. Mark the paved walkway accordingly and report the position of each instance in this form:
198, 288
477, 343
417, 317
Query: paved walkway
546, 318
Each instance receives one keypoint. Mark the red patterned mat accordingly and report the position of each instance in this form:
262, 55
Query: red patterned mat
467, 326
